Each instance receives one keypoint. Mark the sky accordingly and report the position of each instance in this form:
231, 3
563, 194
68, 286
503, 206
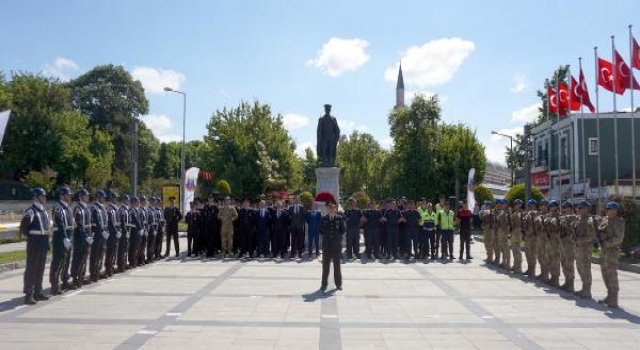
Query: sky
484, 59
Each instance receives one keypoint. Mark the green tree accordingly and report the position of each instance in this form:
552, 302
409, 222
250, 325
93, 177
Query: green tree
232, 148
382, 175
362, 199
482, 194
223, 187
111, 99
148, 149
162, 168
75, 141
518, 192
307, 199
559, 75
355, 155
309, 165
99, 171
39, 179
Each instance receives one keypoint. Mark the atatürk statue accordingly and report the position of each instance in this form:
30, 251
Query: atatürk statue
328, 135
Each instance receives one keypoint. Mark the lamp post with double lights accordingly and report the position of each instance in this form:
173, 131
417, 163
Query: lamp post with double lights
184, 122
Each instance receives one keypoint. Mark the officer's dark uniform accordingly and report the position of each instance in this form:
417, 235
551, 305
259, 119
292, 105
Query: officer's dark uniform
136, 233
246, 224
82, 240
332, 229
35, 225
393, 231
412, 228
298, 217
113, 227
100, 236
193, 220
372, 232
172, 216
280, 231
125, 229
144, 222
61, 243
211, 228
263, 224
153, 230
161, 228
353, 217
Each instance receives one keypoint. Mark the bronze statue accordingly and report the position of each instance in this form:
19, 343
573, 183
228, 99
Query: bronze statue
328, 136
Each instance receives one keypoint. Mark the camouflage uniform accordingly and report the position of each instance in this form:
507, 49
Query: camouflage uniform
610, 236
504, 225
530, 248
585, 232
541, 248
227, 215
516, 239
553, 248
487, 233
567, 234
497, 251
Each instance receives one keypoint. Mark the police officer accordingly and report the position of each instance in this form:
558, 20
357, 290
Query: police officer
372, 218
446, 221
517, 219
529, 237
113, 228
487, 221
161, 228
263, 227
392, 218
61, 242
125, 231
192, 218
554, 243
153, 229
585, 233
100, 236
298, 217
172, 216
136, 233
568, 254
610, 236
144, 222
412, 227
35, 225
332, 228
82, 238
429, 226
246, 225
353, 216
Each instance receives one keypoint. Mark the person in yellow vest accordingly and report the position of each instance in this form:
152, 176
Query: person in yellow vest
446, 220
428, 219
439, 240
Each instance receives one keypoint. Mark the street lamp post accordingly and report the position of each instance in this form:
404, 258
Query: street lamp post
511, 154
184, 122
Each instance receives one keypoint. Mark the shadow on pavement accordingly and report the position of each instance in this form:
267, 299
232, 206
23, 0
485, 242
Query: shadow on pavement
11, 304
318, 295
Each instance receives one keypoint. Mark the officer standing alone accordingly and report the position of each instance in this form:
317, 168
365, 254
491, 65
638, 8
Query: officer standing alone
332, 228
35, 225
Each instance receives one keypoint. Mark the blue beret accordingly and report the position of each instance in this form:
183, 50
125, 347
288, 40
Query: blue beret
554, 203
584, 204
82, 192
124, 197
112, 195
613, 205
487, 202
101, 193
567, 204
532, 202
135, 199
39, 192
143, 198
543, 202
64, 190
518, 202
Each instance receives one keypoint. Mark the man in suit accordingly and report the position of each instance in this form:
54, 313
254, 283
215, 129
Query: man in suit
298, 216
314, 217
246, 225
280, 229
332, 228
263, 224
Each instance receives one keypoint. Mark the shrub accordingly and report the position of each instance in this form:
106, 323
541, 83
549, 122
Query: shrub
223, 187
517, 192
482, 194
306, 198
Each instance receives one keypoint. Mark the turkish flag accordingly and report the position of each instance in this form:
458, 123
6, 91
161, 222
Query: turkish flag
624, 77
580, 93
635, 56
605, 76
552, 99
564, 93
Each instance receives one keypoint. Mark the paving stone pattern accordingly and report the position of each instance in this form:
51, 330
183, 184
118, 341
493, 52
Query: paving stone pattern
212, 304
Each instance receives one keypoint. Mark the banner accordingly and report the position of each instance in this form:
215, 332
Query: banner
170, 191
4, 119
189, 188
471, 197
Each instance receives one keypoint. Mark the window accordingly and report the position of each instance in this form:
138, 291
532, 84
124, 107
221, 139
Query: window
593, 146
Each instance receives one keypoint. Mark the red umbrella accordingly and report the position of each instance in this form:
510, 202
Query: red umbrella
325, 197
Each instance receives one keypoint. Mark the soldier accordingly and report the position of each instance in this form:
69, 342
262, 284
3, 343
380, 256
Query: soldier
161, 229
372, 218
446, 220
35, 226
192, 218
528, 229
298, 215
211, 228
313, 226
554, 243
486, 220
567, 235
332, 228
263, 225
504, 229
125, 233
412, 227
246, 225
227, 215
392, 218
100, 236
136, 234
61, 243
517, 218
497, 249
82, 238
115, 233
541, 240
610, 236
353, 216
585, 232
154, 221
172, 216
143, 216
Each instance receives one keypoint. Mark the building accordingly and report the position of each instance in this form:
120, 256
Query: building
497, 179
566, 154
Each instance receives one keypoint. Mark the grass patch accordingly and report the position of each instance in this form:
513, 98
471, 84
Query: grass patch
182, 226
9, 257
12, 240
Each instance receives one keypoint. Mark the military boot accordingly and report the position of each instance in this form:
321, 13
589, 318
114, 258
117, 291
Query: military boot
55, 289
606, 300
29, 300
613, 301
554, 281
568, 286
585, 293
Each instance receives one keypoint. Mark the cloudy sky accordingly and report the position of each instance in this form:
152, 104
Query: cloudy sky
485, 59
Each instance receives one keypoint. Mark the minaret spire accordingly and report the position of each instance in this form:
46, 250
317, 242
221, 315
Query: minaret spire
400, 88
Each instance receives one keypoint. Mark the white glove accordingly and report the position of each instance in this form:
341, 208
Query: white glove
67, 243
89, 240
118, 235
105, 235
141, 232
146, 233
127, 235
153, 232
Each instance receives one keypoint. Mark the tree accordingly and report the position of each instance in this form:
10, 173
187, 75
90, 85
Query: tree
482, 194
222, 186
38, 179
148, 148
99, 171
111, 99
382, 175
355, 155
306, 198
560, 74
309, 165
516, 158
232, 148
362, 199
518, 192
75, 141
162, 168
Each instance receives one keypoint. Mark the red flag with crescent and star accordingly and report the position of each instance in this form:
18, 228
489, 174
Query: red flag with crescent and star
563, 92
553, 102
580, 93
624, 77
605, 77
635, 56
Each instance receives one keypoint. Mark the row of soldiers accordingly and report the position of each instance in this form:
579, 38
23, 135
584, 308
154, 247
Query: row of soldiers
112, 235
557, 239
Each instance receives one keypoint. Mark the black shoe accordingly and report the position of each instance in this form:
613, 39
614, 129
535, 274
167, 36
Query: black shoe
29, 300
40, 297
55, 290
339, 288
323, 288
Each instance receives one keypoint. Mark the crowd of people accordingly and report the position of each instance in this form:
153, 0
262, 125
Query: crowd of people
557, 239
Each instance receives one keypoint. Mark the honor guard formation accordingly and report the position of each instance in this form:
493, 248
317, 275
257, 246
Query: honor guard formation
119, 232
557, 239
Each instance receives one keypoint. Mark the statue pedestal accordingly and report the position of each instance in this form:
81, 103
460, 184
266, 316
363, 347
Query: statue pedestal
328, 181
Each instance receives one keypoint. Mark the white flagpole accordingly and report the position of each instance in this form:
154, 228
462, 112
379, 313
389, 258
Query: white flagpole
584, 155
548, 141
595, 51
571, 135
615, 112
633, 129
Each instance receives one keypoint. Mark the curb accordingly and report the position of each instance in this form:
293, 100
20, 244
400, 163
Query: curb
17, 265
598, 261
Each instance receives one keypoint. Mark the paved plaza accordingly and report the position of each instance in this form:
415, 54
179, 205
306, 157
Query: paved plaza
213, 304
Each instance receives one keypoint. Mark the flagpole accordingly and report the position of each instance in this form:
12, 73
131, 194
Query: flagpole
571, 134
559, 102
615, 112
548, 141
584, 156
633, 129
595, 51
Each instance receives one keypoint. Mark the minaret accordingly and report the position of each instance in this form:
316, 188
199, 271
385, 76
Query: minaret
400, 89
